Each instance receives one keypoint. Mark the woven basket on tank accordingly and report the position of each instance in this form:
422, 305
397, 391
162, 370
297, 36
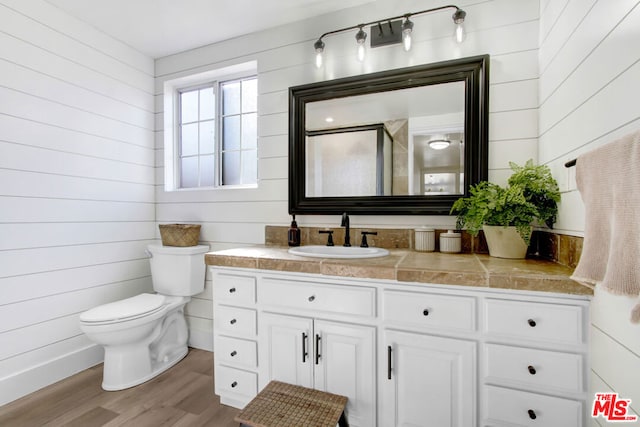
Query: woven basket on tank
179, 234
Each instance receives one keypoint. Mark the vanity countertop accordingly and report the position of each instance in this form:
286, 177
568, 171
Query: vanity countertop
409, 266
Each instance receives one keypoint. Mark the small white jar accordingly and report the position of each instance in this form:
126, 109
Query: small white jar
425, 239
450, 242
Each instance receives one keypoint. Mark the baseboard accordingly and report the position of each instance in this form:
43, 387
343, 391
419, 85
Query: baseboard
40, 376
202, 340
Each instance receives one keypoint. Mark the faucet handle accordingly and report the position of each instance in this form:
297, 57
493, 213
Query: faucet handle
364, 243
330, 238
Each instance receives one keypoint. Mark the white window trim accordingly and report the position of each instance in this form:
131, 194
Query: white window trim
171, 119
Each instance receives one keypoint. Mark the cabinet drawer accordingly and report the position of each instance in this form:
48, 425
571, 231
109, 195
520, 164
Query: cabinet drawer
432, 310
349, 300
535, 321
236, 351
234, 320
518, 408
233, 289
526, 367
236, 381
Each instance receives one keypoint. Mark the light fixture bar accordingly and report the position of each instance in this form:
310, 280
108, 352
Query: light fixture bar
391, 30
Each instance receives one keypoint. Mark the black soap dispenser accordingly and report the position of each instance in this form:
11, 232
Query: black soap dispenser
294, 233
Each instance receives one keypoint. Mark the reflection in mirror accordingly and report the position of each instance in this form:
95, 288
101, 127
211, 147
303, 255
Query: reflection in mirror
344, 162
406, 141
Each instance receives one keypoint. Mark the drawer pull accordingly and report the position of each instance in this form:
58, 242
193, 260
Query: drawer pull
235, 383
233, 353
233, 321
532, 414
425, 312
531, 369
531, 323
232, 290
312, 298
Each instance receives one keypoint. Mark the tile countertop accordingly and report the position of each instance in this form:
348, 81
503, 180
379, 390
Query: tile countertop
409, 266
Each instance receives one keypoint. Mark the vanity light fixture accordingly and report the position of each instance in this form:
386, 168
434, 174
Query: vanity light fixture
397, 29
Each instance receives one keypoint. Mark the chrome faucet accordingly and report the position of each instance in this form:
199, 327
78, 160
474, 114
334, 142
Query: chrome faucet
345, 224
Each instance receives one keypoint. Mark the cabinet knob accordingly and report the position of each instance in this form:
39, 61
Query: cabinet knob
531, 323
312, 298
531, 369
425, 312
532, 414
235, 383
233, 353
232, 290
233, 321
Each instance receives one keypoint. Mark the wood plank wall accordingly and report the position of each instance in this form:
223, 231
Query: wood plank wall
76, 187
505, 29
589, 68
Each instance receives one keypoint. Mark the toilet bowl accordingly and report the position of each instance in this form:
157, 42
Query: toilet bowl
146, 334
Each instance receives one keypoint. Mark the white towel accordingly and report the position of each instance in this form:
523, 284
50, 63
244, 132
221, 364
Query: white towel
609, 182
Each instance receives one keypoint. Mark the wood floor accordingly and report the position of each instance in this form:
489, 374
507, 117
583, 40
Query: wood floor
182, 396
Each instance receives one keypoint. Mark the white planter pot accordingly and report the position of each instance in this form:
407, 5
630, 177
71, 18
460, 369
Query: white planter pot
504, 242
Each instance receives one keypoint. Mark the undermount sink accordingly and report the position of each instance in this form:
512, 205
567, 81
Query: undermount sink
338, 252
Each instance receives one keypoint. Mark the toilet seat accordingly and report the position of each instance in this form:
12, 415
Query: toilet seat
127, 309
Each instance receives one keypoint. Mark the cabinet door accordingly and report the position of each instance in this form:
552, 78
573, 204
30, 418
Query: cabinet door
433, 381
284, 340
345, 365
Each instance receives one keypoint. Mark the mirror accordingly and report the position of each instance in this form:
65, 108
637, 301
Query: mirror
406, 141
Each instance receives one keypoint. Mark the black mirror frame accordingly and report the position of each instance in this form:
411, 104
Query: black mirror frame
474, 71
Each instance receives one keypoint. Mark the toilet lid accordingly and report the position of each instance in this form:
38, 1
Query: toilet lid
130, 307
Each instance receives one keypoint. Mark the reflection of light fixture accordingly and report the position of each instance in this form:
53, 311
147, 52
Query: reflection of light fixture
439, 143
391, 31
329, 120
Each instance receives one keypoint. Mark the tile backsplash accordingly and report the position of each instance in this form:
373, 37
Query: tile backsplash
560, 248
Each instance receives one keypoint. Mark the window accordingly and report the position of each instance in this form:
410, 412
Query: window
212, 141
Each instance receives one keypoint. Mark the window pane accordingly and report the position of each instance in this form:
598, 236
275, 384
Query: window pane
189, 172
231, 98
250, 96
249, 130
231, 168
231, 133
207, 170
207, 104
189, 140
189, 106
249, 167
207, 137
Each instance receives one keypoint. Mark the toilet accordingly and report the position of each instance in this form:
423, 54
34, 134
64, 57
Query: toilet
146, 334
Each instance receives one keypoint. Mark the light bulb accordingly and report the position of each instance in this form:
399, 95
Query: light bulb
319, 47
407, 29
460, 34
458, 18
361, 36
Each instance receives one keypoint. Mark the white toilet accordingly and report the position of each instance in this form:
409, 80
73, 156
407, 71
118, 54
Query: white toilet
147, 334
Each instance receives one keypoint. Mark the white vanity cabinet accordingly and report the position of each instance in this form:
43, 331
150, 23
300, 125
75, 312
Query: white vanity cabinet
302, 343
235, 338
405, 354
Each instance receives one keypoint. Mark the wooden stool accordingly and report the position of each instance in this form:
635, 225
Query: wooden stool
285, 405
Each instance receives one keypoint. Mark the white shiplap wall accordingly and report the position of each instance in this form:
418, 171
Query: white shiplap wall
505, 29
76, 187
589, 82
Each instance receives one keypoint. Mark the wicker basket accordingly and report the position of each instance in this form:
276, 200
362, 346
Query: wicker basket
179, 234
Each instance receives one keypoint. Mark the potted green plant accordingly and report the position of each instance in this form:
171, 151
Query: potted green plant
507, 214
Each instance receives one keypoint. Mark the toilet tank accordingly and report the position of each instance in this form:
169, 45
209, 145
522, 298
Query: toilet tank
177, 271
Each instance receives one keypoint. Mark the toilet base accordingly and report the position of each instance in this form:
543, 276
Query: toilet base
122, 377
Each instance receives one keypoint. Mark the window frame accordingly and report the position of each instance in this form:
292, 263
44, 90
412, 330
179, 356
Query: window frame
172, 124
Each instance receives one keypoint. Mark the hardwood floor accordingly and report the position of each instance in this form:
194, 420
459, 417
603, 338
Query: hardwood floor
182, 396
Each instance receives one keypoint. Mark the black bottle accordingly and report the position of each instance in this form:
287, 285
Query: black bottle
294, 233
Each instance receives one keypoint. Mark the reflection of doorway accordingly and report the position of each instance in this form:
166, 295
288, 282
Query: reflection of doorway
348, 161
436, 157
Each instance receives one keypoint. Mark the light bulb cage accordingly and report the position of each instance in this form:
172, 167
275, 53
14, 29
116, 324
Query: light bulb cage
389, 30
